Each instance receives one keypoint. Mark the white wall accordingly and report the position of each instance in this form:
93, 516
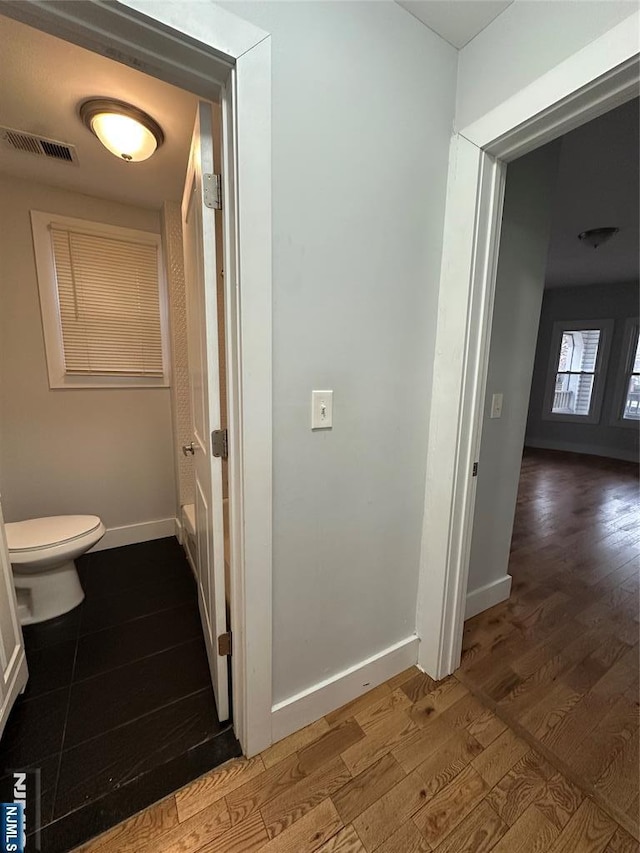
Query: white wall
523, 43
519, 289
103, 451
363, 98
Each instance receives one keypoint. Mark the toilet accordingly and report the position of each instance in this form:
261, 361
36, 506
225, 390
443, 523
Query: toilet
42, 553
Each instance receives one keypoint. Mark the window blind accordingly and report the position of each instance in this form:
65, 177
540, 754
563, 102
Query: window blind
109, 304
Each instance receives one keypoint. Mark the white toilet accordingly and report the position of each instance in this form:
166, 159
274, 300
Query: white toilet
42, 551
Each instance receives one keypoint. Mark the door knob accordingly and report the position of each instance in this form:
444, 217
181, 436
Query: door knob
188, 449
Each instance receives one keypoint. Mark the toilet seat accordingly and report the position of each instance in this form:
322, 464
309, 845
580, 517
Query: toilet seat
36, 534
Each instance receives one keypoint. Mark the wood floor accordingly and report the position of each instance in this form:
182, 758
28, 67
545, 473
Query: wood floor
470, 764
559, 661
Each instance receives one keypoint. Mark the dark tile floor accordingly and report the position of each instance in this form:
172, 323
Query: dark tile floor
119, 710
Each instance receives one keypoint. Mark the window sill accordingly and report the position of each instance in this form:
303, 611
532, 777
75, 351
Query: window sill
105, 383
628, 423
571, 419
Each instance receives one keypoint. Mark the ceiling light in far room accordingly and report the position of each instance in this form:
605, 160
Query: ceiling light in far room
129, 133
594, 237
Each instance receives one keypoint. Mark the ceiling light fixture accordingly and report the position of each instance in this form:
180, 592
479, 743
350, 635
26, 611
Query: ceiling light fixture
127, 132
596, 236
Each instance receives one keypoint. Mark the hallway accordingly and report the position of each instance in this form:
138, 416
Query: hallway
410, 767
559, 661
530, 746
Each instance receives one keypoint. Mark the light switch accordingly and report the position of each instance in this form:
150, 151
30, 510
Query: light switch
496, 406
321, 409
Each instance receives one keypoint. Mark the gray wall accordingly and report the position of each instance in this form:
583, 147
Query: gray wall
363, 100
522, 257
102, 451
523, 43
594, 302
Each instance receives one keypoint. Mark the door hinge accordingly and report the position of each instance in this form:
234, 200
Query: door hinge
220, 443
475, 470
212, 191
224, 644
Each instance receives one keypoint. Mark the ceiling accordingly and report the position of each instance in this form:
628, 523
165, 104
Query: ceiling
44, 79
598, 181
457, 21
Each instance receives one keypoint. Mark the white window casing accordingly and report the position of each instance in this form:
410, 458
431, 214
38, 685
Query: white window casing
626, 409
104, 304
591, 380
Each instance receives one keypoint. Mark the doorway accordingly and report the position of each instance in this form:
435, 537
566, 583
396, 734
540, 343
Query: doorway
555, 656
124, 679
580, 88
221, 56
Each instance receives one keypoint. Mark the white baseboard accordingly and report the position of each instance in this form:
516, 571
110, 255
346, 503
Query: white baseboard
308, 706
588, 449
178, 530
487, 596
129, 534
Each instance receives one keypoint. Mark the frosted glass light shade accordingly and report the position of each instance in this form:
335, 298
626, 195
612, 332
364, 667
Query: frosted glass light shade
125, 131
124, 136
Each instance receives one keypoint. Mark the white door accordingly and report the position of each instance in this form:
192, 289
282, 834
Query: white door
198, 224
13, 674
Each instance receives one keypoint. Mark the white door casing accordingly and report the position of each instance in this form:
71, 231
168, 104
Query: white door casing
12, 655
596, 79
218, 55
199, 239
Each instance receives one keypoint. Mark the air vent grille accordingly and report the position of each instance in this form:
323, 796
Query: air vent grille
18, 140
55, 149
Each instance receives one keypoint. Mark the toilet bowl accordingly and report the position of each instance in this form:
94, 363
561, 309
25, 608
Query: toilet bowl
42, 553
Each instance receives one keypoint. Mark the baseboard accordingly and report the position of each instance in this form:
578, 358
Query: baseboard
129, 534
178, 530
586, 449
487, 596
308, 706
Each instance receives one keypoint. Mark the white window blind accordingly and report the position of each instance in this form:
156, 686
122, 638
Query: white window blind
109, 303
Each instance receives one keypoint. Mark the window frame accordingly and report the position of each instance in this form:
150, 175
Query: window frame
605, 327
50, 310
630, 337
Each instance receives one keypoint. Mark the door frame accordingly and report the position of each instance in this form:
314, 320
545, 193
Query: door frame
593, 81
215, 54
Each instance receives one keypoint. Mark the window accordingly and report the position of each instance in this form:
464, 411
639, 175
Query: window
627, 411
575, 383
631, 409
103, 303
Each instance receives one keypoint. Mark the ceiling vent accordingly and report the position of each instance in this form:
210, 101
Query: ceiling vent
40, 146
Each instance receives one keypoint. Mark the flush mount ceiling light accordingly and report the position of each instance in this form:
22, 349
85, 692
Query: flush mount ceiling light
126, 131
596, 236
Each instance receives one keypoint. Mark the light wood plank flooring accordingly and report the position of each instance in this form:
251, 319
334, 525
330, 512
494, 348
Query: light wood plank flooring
469, 764
411, 767
558, 662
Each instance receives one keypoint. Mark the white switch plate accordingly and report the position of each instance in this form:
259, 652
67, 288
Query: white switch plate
496, 406
321, 409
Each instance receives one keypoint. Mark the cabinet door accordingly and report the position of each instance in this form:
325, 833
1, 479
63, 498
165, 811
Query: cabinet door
13, 662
